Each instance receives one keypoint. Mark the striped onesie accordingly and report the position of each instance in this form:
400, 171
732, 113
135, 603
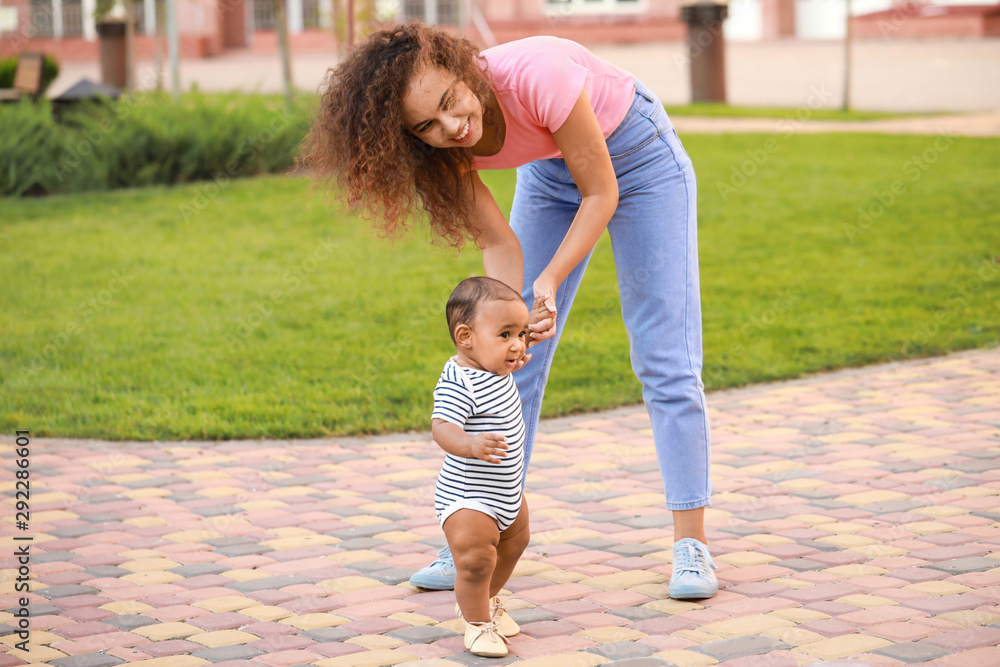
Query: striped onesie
480, 402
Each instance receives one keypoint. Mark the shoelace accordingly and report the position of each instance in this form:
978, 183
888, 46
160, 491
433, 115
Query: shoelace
496, 607
491, 630
439, 563
692, 559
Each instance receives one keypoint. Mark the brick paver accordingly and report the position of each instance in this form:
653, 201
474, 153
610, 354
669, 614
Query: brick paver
856, 517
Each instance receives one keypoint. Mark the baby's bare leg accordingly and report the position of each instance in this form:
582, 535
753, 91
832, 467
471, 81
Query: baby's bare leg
473, 537
513, 542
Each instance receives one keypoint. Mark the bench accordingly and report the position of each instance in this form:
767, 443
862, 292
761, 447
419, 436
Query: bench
27, 79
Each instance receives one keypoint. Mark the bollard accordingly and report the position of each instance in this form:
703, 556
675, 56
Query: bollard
706, 50
111, 34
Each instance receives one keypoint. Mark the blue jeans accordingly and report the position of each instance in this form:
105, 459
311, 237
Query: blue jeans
654, 240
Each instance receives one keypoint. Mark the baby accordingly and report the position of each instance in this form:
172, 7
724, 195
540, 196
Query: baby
477, 421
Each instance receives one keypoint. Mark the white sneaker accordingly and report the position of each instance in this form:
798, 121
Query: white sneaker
439, 575
692, 576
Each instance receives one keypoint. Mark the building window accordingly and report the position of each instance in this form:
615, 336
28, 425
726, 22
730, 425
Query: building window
72, 18
263, 15
41, 18
310, 14
447, 12
569, 8
139, 13
411, 9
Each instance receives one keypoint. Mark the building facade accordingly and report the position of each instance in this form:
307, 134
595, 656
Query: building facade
68, 29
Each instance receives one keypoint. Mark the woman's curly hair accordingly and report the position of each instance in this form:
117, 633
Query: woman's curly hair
360, 140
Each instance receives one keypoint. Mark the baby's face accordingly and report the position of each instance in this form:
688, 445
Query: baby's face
499, 336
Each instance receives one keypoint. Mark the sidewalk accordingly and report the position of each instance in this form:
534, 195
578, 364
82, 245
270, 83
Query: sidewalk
964, 125
930, 76
960, 76
855, 521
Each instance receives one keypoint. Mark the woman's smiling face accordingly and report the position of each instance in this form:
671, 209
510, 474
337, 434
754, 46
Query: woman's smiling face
441, 110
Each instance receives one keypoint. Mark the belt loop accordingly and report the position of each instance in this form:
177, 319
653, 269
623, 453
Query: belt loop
641, 89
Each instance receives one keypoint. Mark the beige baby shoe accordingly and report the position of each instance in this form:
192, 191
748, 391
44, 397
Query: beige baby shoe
505, 624
484, 640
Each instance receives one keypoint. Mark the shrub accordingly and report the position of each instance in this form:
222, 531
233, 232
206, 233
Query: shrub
7, 68
148, 139
29, 144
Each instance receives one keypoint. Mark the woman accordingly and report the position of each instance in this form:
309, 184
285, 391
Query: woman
412, 114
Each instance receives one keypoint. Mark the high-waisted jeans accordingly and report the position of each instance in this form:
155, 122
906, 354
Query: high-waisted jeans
654, 241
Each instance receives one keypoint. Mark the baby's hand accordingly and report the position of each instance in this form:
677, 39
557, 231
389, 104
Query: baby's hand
489, 447
522, 361
541, 323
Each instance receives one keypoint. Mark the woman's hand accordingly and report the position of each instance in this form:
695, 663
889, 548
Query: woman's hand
542, 320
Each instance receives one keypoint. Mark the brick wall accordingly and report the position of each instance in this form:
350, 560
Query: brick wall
922, 22
991, 26
621, 31
77, 49
307, 41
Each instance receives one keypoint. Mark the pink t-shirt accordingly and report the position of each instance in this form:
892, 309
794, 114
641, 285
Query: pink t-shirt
537, 81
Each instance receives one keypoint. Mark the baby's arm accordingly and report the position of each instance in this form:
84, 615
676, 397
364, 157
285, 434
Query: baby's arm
489, 447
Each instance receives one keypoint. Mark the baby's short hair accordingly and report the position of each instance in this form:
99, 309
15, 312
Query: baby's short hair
463, 304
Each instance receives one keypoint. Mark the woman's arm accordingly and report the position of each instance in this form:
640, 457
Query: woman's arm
583, 147
502, 256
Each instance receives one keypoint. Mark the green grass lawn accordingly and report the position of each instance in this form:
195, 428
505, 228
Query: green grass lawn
730, 111
257, 310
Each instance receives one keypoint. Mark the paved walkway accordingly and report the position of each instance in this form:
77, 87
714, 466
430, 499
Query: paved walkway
855, 521
887, 75
963, 125
961, 76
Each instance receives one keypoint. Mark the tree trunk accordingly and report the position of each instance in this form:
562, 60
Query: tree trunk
848, 38
129, 45
281, 26
161, 42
